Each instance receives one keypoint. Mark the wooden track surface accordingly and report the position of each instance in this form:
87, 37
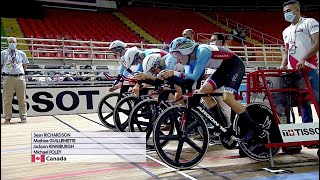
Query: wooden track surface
218, 163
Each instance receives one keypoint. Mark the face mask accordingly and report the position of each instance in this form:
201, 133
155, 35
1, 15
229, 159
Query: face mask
12, 45
213, 42
289, 16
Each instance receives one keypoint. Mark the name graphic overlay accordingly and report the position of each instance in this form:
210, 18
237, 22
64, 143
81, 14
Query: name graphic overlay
88, 147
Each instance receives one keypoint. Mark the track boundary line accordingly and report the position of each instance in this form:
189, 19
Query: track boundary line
151, 158
132, 163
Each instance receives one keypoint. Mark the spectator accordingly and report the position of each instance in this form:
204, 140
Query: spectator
74, 72
86, 75
13, 66
59, 75
235, 35
41, 78
242, 35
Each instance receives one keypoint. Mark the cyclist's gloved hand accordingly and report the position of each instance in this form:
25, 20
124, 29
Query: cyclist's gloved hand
139, 76
115, 87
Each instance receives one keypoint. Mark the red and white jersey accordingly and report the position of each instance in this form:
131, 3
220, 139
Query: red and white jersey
299, 35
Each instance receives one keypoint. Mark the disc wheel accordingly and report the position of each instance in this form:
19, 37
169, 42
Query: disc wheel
264, 117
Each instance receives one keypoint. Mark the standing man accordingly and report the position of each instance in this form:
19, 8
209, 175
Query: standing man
301, 46
13, 65
218, 39
188, 33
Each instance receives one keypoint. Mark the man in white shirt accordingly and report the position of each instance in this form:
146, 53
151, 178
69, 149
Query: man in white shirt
13, 65
301, 46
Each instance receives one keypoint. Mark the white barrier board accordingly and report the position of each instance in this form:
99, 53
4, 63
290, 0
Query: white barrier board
59, 100
299, 132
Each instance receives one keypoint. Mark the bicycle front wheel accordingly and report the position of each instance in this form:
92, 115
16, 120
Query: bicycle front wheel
182, 151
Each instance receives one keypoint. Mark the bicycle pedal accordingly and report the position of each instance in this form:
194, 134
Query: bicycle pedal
235, 138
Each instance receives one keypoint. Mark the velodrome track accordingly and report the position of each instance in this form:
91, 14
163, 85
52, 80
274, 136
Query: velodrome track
218, 163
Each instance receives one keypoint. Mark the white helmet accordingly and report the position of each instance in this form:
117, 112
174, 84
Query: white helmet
131, 56
117, 44
151, 61
183, 45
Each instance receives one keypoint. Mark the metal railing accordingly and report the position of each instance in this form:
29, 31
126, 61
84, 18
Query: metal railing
206, 37
252, 33
269, 55
71, 49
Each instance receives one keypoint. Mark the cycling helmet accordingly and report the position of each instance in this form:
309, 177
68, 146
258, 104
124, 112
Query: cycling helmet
117, 45
151, 61
131, 56
183, 45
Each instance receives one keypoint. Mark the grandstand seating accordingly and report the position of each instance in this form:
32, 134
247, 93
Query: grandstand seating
76, 25
79, 25
167, 24
271, 23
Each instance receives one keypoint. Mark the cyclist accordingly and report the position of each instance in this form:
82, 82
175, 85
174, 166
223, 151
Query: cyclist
134, 56
229, 73
118, 48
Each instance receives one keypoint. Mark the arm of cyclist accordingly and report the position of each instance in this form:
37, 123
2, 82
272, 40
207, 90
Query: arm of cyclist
204, 55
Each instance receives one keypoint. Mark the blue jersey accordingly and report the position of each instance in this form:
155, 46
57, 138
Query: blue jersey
207, 56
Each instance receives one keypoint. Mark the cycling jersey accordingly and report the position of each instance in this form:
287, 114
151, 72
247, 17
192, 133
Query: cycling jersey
230, 68
207, 56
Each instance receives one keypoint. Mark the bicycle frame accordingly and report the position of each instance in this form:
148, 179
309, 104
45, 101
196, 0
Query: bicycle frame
201, 109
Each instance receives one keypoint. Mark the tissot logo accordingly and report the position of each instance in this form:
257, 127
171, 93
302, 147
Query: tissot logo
288, 132
300, 132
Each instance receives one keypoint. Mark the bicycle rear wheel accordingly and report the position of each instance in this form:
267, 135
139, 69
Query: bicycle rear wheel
264, 117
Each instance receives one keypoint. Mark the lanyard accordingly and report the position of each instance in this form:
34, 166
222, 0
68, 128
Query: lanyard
293, 40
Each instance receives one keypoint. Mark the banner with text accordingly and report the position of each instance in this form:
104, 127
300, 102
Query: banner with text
299, 132
61, 100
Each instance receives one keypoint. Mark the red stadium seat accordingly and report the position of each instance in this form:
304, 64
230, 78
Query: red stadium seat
69, 56
100, 56
81, 56
59, 54
49, 54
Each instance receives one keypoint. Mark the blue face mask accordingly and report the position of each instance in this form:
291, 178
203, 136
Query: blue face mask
289, 16
12, 45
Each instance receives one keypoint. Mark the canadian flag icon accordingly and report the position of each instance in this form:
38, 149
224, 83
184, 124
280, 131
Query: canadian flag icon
37, 158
